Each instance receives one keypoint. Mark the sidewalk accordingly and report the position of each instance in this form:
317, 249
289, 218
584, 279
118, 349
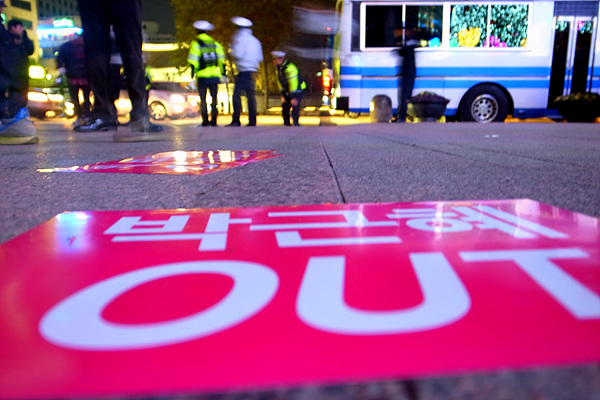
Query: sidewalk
354, 162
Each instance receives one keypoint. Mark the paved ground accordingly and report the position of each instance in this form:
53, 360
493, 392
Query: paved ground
554, 163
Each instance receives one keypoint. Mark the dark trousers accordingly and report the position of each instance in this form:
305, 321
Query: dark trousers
13, 93
80, 109
126, 18
212, 87
404, 94
244, 83
286, 106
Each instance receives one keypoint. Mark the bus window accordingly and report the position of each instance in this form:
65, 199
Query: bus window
508, 25
468, 25
427, 20
380, 23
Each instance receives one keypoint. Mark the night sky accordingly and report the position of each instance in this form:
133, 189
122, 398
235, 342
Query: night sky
161, 12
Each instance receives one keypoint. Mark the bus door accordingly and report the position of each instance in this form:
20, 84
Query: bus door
572, 59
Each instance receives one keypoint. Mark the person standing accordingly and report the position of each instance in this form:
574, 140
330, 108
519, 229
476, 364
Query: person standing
291, 85
125, 16
15, 48
70, 60
409, 72
207, 59
247, 54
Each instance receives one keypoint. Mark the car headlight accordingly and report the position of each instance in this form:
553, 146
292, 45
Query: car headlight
37, 96
177, 98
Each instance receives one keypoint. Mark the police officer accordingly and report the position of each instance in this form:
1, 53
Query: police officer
292, 87
247, 54
207, 60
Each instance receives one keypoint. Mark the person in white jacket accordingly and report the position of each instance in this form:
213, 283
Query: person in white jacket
247, 54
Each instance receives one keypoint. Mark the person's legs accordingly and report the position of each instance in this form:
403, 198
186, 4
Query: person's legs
86, 107
250, 96
126, 17
214, 111
202, 87
237, 101
96, 22
408, 84
285, 111
18, 86
296, 112
74, 95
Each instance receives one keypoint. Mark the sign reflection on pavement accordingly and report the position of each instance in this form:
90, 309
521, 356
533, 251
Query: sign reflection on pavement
175, 162
113, 303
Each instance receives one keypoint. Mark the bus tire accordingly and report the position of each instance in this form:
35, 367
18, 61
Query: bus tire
485, 103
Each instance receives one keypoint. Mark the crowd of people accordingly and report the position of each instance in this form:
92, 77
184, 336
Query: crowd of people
111, 41
206, 57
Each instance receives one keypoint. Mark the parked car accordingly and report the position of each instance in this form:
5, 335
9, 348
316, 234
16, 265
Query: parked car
166, 99
43, 103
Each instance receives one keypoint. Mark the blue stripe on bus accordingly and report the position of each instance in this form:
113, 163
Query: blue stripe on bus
442, 84
450, 71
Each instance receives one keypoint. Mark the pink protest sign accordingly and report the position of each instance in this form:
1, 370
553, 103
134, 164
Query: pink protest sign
114, 303
175, 162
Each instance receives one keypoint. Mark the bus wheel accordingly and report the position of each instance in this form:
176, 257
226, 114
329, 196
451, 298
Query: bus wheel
352, 115
484, 104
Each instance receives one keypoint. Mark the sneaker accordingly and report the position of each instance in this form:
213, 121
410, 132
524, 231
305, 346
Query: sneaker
18, 130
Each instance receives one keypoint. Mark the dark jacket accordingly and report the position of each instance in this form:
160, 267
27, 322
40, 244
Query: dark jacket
71, 56
15, 56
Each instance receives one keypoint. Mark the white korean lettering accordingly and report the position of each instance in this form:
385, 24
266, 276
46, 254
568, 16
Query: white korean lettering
219, 222
578, 300
132, 225
293, 239
77, 322
208, 241
354, 219
486, 222
321, 304
532, 226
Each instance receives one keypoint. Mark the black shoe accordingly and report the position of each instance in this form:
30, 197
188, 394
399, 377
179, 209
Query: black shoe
296, 124
145, 127
254, 124
96, 125
234, 124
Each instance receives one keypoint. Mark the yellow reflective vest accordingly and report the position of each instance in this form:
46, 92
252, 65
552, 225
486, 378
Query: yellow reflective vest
290, 81
206, 57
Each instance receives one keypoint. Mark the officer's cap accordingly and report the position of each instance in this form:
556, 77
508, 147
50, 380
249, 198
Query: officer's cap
242, 22
204, 26
278, 54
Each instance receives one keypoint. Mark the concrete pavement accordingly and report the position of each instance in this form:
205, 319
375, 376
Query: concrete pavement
557, 164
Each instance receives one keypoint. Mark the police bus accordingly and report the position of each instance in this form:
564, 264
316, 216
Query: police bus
490, 58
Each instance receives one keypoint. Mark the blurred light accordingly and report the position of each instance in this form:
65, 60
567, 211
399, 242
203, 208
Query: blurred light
36, 96
56, 97
50, 114
70, 112
178, 109
36, 72
69, 105
177, 98
159, 46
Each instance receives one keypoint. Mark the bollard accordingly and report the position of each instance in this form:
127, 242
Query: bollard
381, 109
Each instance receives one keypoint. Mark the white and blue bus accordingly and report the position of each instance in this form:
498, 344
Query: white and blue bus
490, 58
